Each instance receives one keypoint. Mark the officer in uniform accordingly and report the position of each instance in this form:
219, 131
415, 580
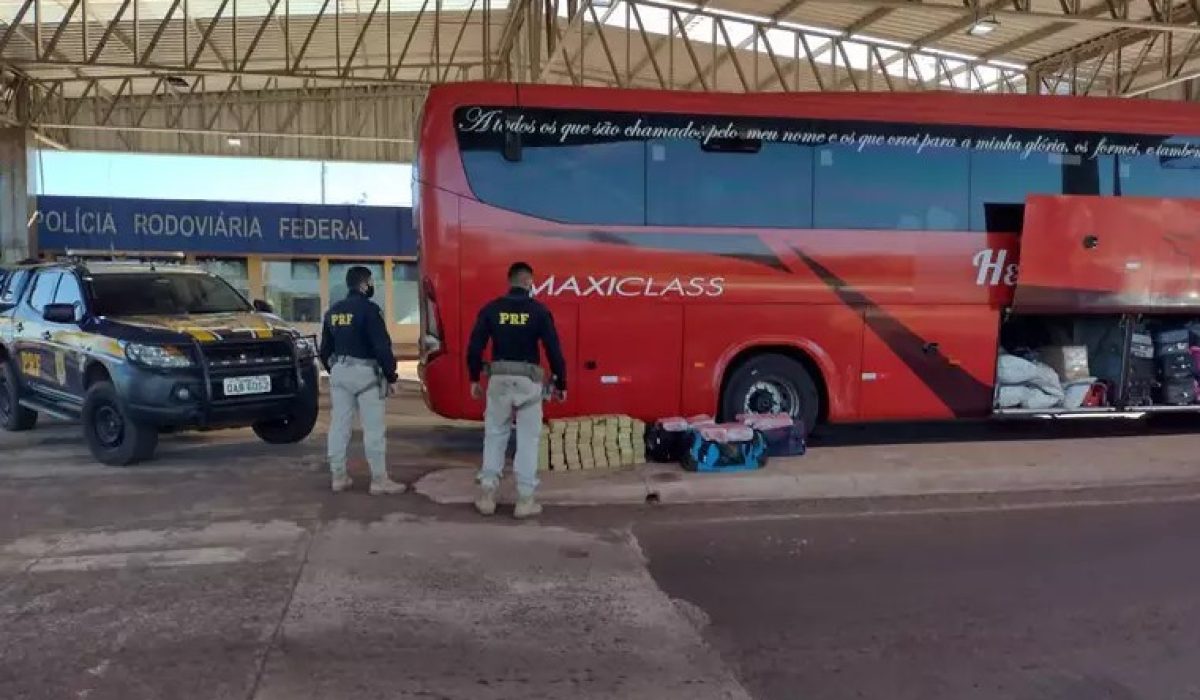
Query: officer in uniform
357, 353
515, 324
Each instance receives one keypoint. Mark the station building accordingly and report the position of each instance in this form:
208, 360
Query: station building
293, 255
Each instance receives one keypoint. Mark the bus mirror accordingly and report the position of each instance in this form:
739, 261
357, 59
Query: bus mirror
512, 139
737, 144
512, 146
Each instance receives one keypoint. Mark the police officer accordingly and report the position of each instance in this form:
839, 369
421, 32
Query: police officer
357, 353
515, 324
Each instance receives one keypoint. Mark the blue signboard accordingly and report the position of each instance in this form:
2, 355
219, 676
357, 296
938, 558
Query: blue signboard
235, 228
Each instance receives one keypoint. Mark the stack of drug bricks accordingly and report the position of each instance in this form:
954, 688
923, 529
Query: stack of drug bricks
592, 442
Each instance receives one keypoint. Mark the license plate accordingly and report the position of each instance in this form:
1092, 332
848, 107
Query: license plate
245, 386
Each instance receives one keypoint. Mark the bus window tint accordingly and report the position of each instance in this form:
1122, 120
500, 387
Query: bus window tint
1000, 182
887, 187
591, 183
689, 186
1163, 175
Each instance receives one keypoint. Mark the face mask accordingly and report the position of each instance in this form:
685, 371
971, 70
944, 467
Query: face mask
370, 291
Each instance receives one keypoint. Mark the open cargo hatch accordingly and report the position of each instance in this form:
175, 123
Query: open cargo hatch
1109, 255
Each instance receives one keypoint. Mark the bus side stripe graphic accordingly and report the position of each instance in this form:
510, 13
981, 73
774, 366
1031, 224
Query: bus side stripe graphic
745, 247
954, 386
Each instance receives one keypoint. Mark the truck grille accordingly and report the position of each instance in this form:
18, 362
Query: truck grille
232, 355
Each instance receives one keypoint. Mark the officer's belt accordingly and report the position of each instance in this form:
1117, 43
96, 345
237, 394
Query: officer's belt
354, 361
516, 369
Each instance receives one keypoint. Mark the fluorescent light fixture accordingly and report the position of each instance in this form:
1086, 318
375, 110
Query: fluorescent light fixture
235, 141
983, 27
176, 82
601, 4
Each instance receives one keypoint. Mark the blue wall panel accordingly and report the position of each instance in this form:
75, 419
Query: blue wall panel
228, 228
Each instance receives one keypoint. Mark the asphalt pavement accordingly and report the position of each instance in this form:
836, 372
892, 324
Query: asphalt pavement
1046, 603
226, 570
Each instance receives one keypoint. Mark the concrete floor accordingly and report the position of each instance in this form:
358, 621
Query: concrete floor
225, 569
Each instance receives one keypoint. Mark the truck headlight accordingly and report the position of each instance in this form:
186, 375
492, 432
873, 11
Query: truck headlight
306, 348
160, 356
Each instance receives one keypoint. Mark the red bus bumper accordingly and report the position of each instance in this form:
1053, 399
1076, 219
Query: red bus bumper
444, 389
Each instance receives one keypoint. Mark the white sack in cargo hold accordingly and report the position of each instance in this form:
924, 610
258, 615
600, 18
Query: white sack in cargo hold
1026, 397
1011, 396
1012, 370
1037, 398
1027, 384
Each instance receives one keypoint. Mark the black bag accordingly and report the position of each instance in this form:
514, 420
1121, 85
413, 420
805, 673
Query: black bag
664, 445
1178, 393
1176, 366
1172, 342
785, 442
1105, 341
1139, 391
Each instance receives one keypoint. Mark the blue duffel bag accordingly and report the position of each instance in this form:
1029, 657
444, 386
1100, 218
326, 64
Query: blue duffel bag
706, 454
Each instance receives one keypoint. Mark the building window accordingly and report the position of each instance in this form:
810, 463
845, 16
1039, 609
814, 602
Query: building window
294, 288
337, 280
235, 271
406, 306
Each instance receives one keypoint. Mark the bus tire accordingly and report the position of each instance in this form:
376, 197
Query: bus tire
772, 383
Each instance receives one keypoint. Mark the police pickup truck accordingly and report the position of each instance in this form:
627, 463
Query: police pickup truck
133, 350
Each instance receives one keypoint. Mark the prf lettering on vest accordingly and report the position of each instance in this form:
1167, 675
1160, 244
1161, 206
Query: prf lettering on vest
341, 319
507, 319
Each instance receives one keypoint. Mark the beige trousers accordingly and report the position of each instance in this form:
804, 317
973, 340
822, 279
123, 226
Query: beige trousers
508, 396
357, 388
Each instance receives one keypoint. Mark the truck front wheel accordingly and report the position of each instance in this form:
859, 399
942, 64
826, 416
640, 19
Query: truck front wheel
113, 438
293, 428
13, 416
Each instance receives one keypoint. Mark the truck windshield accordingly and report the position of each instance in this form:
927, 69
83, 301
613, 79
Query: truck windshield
163, 294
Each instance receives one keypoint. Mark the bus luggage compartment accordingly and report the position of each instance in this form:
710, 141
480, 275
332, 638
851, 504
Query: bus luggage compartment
1106, 311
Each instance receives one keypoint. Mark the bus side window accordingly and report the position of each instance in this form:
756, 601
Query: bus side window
1001, 181
1163, 176
890, 187
588, 183
747, 184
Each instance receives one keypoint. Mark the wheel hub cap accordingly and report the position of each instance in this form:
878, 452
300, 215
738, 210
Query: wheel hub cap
771, 397
109, 426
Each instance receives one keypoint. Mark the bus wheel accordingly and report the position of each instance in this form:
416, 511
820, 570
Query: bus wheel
772, 384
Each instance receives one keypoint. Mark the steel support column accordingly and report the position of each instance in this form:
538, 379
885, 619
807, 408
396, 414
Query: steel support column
16, 198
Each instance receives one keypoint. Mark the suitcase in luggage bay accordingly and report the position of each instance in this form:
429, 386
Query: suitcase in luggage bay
1171, 342
1139, 392
1177, 366
1141, 346
1178, 393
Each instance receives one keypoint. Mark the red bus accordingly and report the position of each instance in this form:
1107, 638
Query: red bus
839, 257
